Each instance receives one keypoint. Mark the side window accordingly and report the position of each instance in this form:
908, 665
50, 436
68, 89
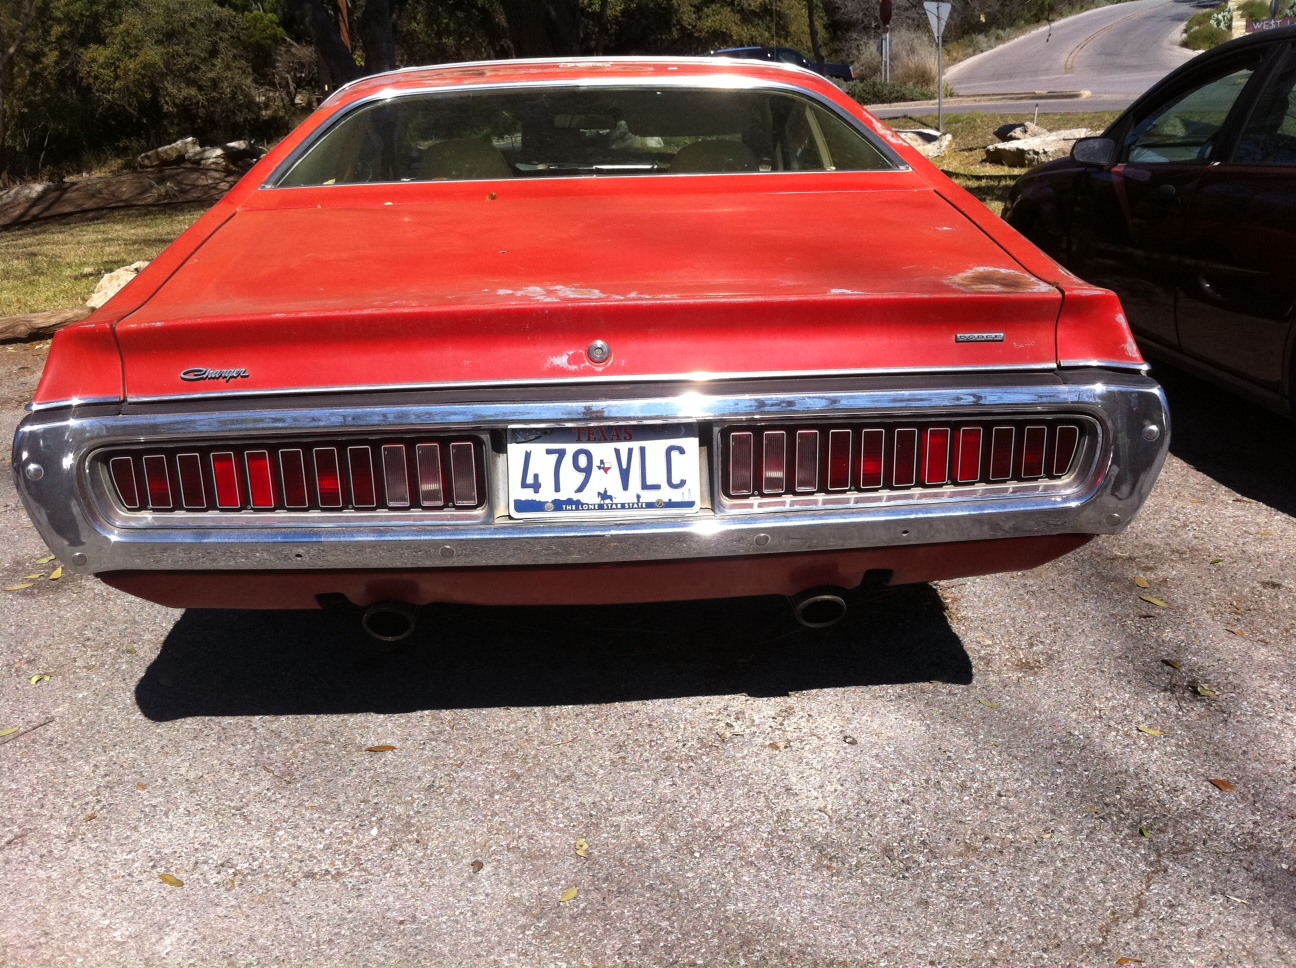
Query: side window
1270, 134
1184, 129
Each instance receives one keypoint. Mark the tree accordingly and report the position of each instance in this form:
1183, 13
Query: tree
14, 29
543, 28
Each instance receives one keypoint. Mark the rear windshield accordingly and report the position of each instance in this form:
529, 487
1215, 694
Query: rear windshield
573, 131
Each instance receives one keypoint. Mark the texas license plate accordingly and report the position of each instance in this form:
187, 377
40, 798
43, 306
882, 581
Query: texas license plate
626, 470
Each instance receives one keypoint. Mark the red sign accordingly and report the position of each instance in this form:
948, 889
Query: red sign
884, 12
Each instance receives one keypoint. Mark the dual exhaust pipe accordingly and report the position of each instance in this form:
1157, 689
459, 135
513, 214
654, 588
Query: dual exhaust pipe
815, 608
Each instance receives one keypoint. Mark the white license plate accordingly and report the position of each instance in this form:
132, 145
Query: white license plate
625, 470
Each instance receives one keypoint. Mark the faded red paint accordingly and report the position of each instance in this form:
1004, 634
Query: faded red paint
432, 283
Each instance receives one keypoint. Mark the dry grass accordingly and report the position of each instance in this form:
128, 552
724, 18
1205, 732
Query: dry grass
55, 264
972, 132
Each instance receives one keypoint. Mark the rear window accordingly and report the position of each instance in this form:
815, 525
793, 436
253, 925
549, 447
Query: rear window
574, 131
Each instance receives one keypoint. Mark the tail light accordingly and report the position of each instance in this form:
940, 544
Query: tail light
329, 476
918, 455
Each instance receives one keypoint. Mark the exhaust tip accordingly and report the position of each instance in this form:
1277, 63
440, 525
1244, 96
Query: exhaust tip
388, 621
818, 608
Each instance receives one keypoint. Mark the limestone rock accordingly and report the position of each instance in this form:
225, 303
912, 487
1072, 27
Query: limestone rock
112, 283
171, 154
930, 144
208, 157
1019, 130
1028, 152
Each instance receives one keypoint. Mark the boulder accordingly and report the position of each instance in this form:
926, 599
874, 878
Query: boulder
38, 324
930, 144
208, 157
171, 154
1028, 152
242, 151
112, 283
1019, 130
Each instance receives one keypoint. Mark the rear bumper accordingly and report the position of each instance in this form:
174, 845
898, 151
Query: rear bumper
88, 537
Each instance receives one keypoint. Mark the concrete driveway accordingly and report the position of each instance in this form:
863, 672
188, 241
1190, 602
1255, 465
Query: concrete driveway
1043, 768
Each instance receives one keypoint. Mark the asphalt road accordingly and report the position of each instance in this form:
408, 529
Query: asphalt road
1115, 52
1003, 770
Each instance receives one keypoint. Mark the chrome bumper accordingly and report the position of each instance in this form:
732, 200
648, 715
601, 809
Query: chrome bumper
52, 450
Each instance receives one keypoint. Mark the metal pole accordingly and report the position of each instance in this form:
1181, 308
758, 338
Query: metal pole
940, 86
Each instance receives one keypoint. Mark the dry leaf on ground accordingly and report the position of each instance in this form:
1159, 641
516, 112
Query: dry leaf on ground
1172, 663
987, 703
379, 749
39, 574
56, 574
582, 848
37, 679
170, 880
46, 560
1128, 961
1142, 582
18, 588
1154, 601
1223, 785
1149, 730
1205, 690
11, 729
568, 895
476, 866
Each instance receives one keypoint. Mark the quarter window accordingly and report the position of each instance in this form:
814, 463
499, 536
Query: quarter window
1270, 134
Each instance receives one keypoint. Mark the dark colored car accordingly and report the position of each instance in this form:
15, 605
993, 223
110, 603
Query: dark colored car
786, 55
1186, 207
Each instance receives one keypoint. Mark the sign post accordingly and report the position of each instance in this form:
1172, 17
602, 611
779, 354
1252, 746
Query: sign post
938, 16
884, 15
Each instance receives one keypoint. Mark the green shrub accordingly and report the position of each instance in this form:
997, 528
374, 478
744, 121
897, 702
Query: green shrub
884, 92
1206, 37
1254, 10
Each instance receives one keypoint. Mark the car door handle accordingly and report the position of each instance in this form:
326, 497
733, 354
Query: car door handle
1167, 194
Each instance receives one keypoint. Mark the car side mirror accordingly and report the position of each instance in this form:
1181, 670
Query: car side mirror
1094, 151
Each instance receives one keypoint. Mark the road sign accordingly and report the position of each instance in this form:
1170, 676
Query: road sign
937, 16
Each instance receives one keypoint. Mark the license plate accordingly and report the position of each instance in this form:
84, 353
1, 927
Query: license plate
627, 470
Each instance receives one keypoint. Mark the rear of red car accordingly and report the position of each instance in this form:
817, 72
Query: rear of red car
587, 332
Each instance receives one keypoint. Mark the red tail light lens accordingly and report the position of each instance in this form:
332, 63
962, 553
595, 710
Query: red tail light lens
891, 456
332, 477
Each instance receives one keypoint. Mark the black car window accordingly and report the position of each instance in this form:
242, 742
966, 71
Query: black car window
1184, 128
1270, 135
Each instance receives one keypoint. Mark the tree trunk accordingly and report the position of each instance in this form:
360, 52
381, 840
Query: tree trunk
814, 32
602, 28
336, 64
543, 28
7, 55
378, 34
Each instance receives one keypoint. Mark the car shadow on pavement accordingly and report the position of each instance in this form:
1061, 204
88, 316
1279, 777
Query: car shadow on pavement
244, 663
1245, 447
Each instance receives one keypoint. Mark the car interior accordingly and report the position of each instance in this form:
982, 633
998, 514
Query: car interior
559, 131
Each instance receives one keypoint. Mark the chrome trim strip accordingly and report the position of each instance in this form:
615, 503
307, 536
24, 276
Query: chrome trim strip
73, 513
700, 377
1124, 365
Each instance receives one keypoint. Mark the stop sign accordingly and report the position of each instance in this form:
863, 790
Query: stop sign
884, 12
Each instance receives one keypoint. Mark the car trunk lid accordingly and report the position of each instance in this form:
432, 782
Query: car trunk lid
360, 287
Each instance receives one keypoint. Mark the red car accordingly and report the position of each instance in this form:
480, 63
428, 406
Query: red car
587, 332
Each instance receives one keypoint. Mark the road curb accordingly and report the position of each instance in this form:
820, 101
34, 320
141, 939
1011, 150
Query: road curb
956, 100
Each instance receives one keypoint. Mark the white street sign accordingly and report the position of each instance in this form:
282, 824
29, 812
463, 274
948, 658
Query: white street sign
937, 16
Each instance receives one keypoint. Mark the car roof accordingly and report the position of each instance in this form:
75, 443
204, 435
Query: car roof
575, 69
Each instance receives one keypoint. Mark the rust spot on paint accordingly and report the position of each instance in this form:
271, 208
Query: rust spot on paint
996, 280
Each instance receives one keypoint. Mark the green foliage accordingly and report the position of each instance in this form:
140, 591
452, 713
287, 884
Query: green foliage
885, 92
122, 75
699, 26
1205, 37
1254, 10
